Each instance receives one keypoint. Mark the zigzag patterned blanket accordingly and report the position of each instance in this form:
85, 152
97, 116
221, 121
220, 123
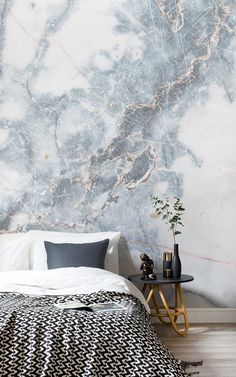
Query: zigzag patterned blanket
37, 339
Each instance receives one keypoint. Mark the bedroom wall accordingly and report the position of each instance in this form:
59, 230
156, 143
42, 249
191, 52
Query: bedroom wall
103, 103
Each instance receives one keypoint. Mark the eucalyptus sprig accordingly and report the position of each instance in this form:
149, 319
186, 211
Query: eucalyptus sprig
171, 211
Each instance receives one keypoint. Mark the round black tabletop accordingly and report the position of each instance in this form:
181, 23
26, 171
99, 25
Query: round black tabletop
160, 279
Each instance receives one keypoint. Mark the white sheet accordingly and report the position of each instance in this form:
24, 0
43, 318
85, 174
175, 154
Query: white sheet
63, 281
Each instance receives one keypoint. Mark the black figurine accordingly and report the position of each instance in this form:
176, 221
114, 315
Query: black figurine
147, 267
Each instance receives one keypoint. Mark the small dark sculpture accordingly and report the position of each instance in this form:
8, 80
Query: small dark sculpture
147, 267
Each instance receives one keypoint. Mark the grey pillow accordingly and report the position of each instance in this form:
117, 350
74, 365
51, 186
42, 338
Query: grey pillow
76, 255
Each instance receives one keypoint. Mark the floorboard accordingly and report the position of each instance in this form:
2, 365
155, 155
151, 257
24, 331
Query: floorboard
215, 344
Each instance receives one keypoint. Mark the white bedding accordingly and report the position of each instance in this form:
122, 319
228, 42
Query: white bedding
63, 281
26, 251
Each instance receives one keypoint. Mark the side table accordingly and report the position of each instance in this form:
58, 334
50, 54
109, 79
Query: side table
164, 310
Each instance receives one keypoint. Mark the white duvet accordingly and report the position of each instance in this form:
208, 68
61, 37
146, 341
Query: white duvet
63, 281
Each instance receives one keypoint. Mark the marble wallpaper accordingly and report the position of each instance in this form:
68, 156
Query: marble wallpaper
105, 102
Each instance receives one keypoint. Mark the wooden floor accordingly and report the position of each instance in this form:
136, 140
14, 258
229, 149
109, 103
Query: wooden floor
215, 344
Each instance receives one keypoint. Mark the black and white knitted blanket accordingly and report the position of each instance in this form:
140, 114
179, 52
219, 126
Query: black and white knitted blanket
37, 339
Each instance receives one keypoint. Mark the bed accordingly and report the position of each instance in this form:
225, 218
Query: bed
38, 339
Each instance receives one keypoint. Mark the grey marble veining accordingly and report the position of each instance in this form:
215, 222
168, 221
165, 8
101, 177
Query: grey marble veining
103, 103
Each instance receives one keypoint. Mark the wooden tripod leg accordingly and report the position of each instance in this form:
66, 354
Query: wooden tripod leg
162, 320
156, 306
151, 293
183, 306
170, 315
151, 296
154, 299
176, 302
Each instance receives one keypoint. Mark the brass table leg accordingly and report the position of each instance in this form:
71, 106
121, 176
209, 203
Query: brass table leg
172, 313
152, 296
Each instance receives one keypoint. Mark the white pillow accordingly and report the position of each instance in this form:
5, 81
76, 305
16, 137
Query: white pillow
14, 251
38, 259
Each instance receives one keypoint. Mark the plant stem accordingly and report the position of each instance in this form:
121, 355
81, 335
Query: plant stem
176, 224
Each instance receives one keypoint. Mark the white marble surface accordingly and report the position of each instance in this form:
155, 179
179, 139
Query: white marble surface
103, 103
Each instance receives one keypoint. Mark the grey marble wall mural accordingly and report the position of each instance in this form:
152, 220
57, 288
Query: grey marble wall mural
105, 102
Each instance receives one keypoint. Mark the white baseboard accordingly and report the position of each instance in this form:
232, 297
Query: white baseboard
208, 315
